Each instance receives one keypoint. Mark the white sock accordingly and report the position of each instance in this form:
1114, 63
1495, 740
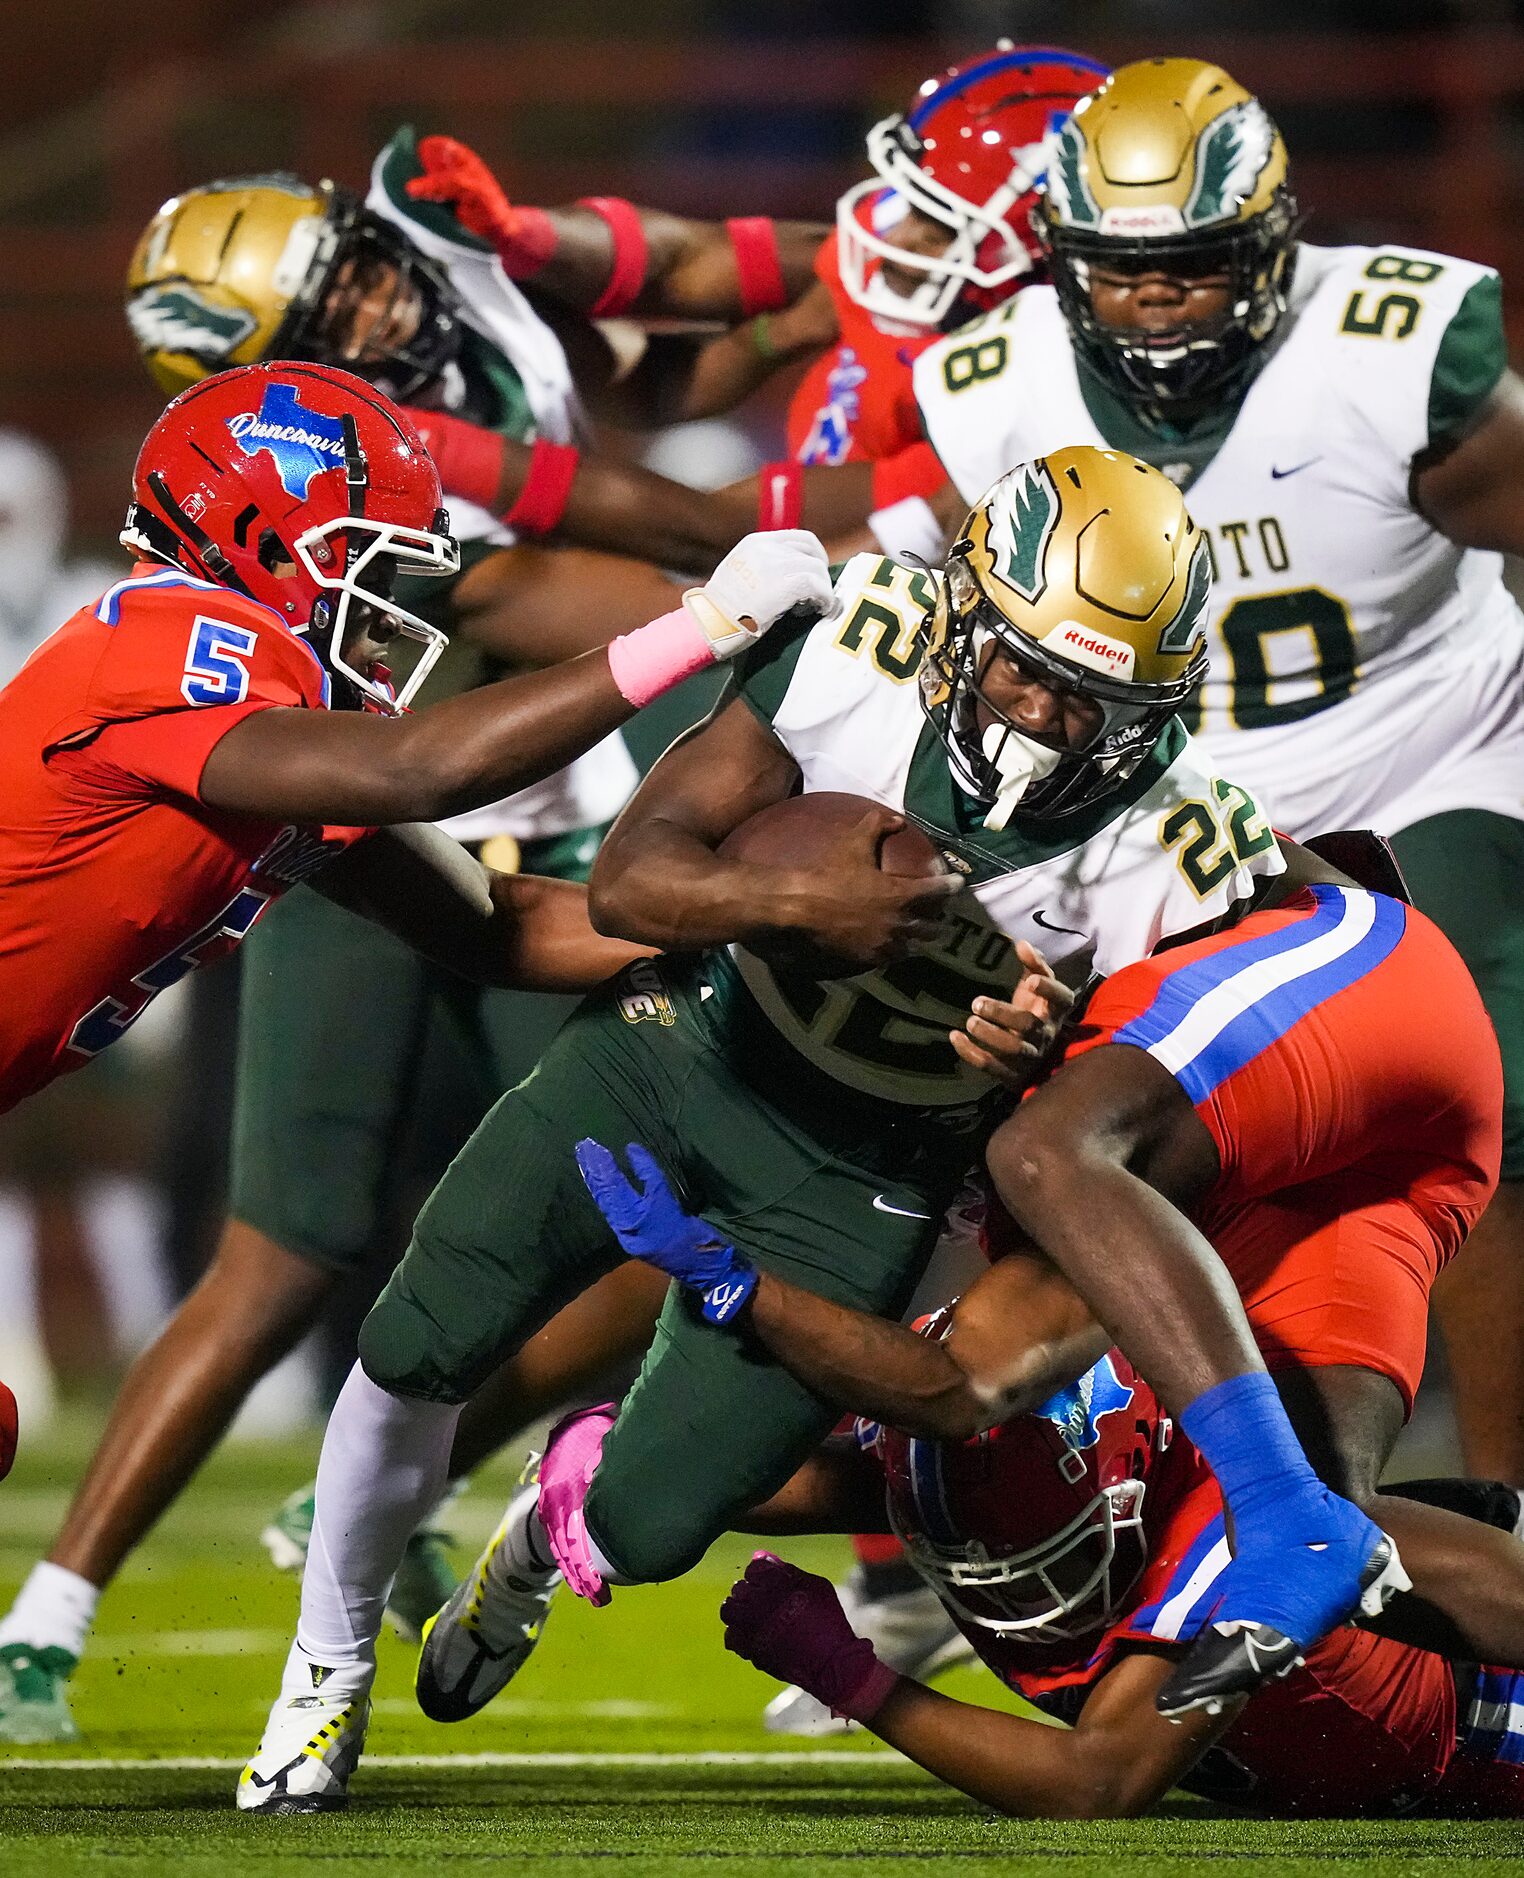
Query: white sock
384, 1464
603, 1568
54, 1608
526, 1550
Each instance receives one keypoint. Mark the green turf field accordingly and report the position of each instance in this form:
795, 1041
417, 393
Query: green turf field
632, 1739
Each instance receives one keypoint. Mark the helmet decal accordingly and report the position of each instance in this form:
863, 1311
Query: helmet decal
1185, 628
303, 443
1233, 152
1076, 1409
1067, 189
1021, 524
175, 318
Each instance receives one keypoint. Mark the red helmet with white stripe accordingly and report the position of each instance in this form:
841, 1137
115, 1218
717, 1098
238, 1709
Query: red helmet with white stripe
970, 155
293, 484
1036, 1527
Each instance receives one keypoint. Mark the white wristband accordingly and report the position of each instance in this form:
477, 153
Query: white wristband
909, 528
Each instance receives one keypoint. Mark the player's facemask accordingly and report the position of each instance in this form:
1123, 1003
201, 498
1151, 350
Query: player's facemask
1066, 1587
359, 562
1197, 359
354, 243
992, 758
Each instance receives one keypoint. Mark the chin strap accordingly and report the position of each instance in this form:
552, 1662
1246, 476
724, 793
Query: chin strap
211, 557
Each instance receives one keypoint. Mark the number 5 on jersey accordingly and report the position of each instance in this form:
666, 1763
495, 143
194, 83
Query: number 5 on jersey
215, 672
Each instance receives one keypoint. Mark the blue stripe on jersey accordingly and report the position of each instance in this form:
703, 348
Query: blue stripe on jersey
109, 607
1493, 1729
1262, 989
1146, 1617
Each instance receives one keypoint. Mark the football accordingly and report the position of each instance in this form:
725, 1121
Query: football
808, 830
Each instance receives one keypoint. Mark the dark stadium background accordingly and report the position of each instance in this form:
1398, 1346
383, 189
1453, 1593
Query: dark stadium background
1405, 119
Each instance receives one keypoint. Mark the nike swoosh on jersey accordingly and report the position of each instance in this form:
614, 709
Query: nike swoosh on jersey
883, 1206
1277, 474
1049, 926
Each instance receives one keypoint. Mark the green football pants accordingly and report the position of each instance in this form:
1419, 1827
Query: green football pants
1466, 871
712, 1425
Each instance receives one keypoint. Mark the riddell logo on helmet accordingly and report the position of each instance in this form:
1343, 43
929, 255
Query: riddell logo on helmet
303, 443
1161, 219
1100, 652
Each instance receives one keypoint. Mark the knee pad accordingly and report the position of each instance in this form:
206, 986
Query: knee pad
643, 1535
400, 1352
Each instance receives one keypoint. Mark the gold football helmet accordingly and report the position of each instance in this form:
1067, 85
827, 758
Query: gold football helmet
1172, 166
1085, 571
243, 270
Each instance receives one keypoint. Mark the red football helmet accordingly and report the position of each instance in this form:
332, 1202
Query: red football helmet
970, 154
291, 483
1035, 1528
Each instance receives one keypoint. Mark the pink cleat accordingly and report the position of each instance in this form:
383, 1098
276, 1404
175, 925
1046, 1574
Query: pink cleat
571, 1459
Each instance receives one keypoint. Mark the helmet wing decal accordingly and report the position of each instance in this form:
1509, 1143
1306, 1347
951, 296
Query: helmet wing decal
1068, 191
173, 317
1231, 153
1185, 628
1021, 525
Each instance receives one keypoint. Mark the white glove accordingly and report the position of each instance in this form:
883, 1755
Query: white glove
763, 577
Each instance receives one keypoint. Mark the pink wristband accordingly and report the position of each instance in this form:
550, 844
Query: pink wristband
655, 657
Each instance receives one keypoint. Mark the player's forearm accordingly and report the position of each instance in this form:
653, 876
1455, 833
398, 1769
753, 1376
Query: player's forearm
357, 769
542, 940
632, 510
658, 885
1027, 1768
1153, 1281
831, 499
866, 1364
1020, 1767
689, 269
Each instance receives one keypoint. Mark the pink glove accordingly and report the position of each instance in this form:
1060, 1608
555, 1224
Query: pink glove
454, 174
791, 1625
571, 1459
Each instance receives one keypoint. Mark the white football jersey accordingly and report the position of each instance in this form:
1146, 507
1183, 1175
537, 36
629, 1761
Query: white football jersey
1365, 671
593, 789
1174, 849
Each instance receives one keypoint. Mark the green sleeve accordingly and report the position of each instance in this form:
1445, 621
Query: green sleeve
1470, 361
399, 165
763, 673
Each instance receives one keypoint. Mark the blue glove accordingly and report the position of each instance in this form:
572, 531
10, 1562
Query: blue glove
649, 1222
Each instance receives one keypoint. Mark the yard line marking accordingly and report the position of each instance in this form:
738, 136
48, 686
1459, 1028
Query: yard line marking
612, 1709
120, 1643
764, 1757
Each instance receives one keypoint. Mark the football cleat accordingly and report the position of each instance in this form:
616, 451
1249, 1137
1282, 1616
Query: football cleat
1234, 1659
311, 1745
910, 1630
34, 1703
483, 1637
425, 1578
